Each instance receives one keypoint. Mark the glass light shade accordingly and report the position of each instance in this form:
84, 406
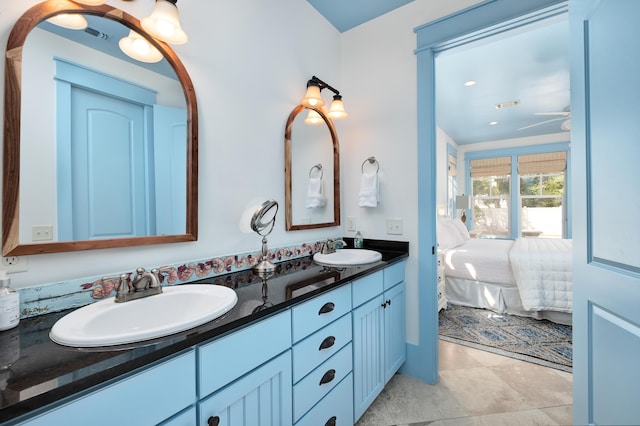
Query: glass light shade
164, 23
312, 98
313, 118
72, 21
337, 111
139, 48
90, 2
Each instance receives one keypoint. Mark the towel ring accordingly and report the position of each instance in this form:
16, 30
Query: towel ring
319, 167
371, 160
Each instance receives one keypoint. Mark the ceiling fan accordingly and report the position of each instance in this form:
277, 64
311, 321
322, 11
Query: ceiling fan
565, 115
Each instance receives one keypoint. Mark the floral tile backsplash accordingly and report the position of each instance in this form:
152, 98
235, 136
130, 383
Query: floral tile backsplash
53, 297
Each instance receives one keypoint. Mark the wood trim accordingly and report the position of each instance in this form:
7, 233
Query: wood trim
289, 225
12, 120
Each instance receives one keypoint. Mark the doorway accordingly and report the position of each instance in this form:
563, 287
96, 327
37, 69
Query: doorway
469, 25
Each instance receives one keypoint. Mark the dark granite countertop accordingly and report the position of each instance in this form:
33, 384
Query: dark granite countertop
40, 371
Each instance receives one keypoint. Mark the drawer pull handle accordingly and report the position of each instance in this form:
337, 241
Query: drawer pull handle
331, 421
328, 376
326, 308
213, 421
327, 343
388, 302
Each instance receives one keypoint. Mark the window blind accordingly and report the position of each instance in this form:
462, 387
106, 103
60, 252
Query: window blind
500, 166
547, 162
452, 165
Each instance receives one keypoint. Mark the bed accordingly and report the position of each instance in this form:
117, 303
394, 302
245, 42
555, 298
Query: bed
529, 277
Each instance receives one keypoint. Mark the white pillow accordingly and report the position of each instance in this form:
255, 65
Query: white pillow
461, 228
448, 234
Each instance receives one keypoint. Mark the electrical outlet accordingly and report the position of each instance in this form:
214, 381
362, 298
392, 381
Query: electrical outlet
394, 226
351, 224
14, 264
42, 233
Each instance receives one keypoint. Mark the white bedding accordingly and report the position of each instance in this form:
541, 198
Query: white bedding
480, 260
542, 268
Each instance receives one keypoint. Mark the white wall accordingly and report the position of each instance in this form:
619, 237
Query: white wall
249, 61
379, 89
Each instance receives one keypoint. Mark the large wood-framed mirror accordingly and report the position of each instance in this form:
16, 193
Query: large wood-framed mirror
312, 171
79, 175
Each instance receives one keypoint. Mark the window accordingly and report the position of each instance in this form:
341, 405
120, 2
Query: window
491, 192
542, 184
539, 195
451, 183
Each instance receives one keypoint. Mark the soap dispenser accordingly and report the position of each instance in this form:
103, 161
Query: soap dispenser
9, 303
358, 241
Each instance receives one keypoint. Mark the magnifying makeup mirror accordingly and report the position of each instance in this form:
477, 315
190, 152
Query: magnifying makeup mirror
262, 222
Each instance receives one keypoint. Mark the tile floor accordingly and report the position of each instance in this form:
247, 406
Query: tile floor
476, 388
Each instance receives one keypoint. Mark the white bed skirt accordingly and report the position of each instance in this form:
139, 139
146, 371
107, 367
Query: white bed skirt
500, 298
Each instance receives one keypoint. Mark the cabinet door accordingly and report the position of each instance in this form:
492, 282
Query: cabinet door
395, 346
368, 377
261, 398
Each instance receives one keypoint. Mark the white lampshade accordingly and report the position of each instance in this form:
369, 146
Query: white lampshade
72, 21
139, 48
312, 98
337, 111
463, 202
164, 23
90, 2
313, 118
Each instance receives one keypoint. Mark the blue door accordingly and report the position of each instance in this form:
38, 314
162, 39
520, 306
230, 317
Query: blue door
108, 185
605, 147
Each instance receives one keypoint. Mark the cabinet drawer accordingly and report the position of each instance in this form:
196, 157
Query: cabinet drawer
394, 274
334, 409
366, 288
320, 381
320, 346
173, 384
224, 360
320, 311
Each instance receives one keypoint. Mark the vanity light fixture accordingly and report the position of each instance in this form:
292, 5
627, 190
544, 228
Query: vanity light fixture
72, 21
139, 48
313, 99
164, 23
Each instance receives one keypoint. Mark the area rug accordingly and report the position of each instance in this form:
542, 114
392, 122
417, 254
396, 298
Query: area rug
539, 341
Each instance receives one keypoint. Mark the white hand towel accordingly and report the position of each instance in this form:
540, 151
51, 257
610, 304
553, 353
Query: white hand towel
368, 196
315, 194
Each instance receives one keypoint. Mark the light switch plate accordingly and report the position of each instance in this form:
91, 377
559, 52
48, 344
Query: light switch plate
394, 226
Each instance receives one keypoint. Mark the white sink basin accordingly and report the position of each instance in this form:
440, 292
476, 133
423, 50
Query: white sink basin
176, 309
347, 257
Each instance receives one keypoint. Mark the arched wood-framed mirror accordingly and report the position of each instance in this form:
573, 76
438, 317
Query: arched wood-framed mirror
167, 190
312, 172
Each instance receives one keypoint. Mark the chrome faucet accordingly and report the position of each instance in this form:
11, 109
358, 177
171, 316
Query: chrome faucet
329, 246
144, 283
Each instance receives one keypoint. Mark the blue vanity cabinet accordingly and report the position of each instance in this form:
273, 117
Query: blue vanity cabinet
147, 397
379, 336
322, 359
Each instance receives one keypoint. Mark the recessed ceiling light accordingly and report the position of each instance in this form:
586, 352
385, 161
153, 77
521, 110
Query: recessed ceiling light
469, 83
493, 123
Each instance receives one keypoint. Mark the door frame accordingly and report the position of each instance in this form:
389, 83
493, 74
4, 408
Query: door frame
485, 19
